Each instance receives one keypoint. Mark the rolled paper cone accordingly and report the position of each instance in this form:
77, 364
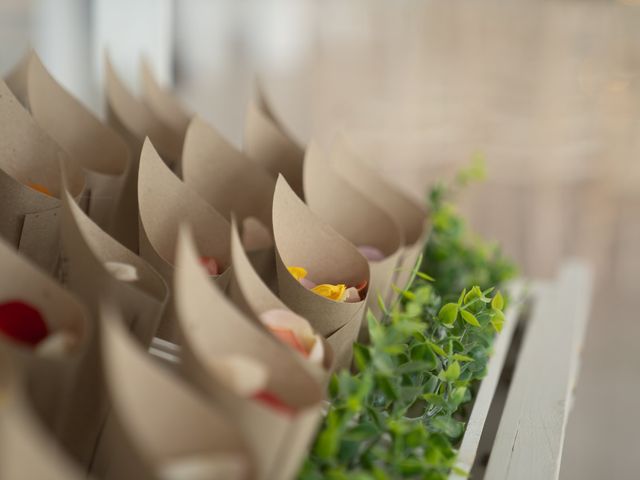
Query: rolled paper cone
279, 441
255, 235
266, 143
64, 389
303, 239
411, 216
29, 218
224, 176
87, 252
16, 79
165, 203
162, 102
204, 467
122, 271
28, 449
254, 297
356, 218
139, 440
134, 121
102, 153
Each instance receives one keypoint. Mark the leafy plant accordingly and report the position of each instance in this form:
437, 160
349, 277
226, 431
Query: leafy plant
402, 411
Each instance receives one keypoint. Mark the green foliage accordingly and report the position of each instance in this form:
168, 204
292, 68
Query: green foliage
401, 413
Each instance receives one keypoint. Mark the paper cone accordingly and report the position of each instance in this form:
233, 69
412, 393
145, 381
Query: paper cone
16, 79
269, 146
65, 388
28, 450
28, 218
162, 102
214, 328
223, 176
166, 202
181, 423
86, 250
303, 240
134, 121
356, 218
251, 294
94, 146
411, 216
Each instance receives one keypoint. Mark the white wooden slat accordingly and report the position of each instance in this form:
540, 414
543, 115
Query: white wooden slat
530, 436
475, 425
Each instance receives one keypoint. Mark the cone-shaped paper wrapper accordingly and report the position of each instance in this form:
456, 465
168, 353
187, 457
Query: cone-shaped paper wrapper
213, 328
223, 176
98, 149
16, 79
65, 386
411, 217
181, 424
268, 145
252, 295
166, 202
304, 240
162, 102
87, 249
29, 218
134, 121
28, 450
355, 217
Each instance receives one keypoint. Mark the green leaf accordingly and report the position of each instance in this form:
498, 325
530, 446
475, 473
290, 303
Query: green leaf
381, 304
361, 432
435, 400
451, 374
497, 302
437, 349
462, 358
414, 366
447, 425
448, 313
470, 318
497, 320
474, 293
426, 277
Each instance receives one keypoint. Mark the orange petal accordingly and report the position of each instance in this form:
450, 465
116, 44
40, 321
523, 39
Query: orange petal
40, 188
281, 319
288, 337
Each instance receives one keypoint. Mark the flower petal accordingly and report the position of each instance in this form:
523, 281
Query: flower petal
23, 323
372, 254
297, 272
352, 295
122, 271
280, 320
271, 400
40, 188
56, 345
332, 292
210, 265
242, 374
316, 355
306, 283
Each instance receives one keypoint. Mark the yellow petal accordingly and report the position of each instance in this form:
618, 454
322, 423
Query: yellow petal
297, 272
332, 292
40, 188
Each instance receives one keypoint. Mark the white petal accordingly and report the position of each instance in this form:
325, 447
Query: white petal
316, 355
56, 344
352, 295
242, 374
122, 271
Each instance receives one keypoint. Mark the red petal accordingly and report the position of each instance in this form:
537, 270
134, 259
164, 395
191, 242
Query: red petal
361, 287
274, 402
22, 323
210, 264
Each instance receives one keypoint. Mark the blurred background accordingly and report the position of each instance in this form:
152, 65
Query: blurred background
547, 92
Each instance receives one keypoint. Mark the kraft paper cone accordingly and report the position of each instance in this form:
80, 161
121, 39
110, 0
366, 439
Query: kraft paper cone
166, 202
28, 218
214, 328
98, 149
162, 102
267, 144
86, 250
181, 424
134, 121
16, 79
356, 218
28, 450
65, 388
304, 240
411, 216
253, 296
223, 176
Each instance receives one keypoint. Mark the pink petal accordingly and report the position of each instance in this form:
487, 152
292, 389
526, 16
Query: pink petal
372, 254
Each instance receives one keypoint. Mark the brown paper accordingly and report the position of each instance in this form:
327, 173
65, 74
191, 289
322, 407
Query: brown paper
28, 450
98, 149
253, 296
166, 202
223, 176
411, 216
304, 240
266, 143
16, 79
162, 102
356, 218
27, 154
86, 250
65, 389
134, 121
213, 328
156, 418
